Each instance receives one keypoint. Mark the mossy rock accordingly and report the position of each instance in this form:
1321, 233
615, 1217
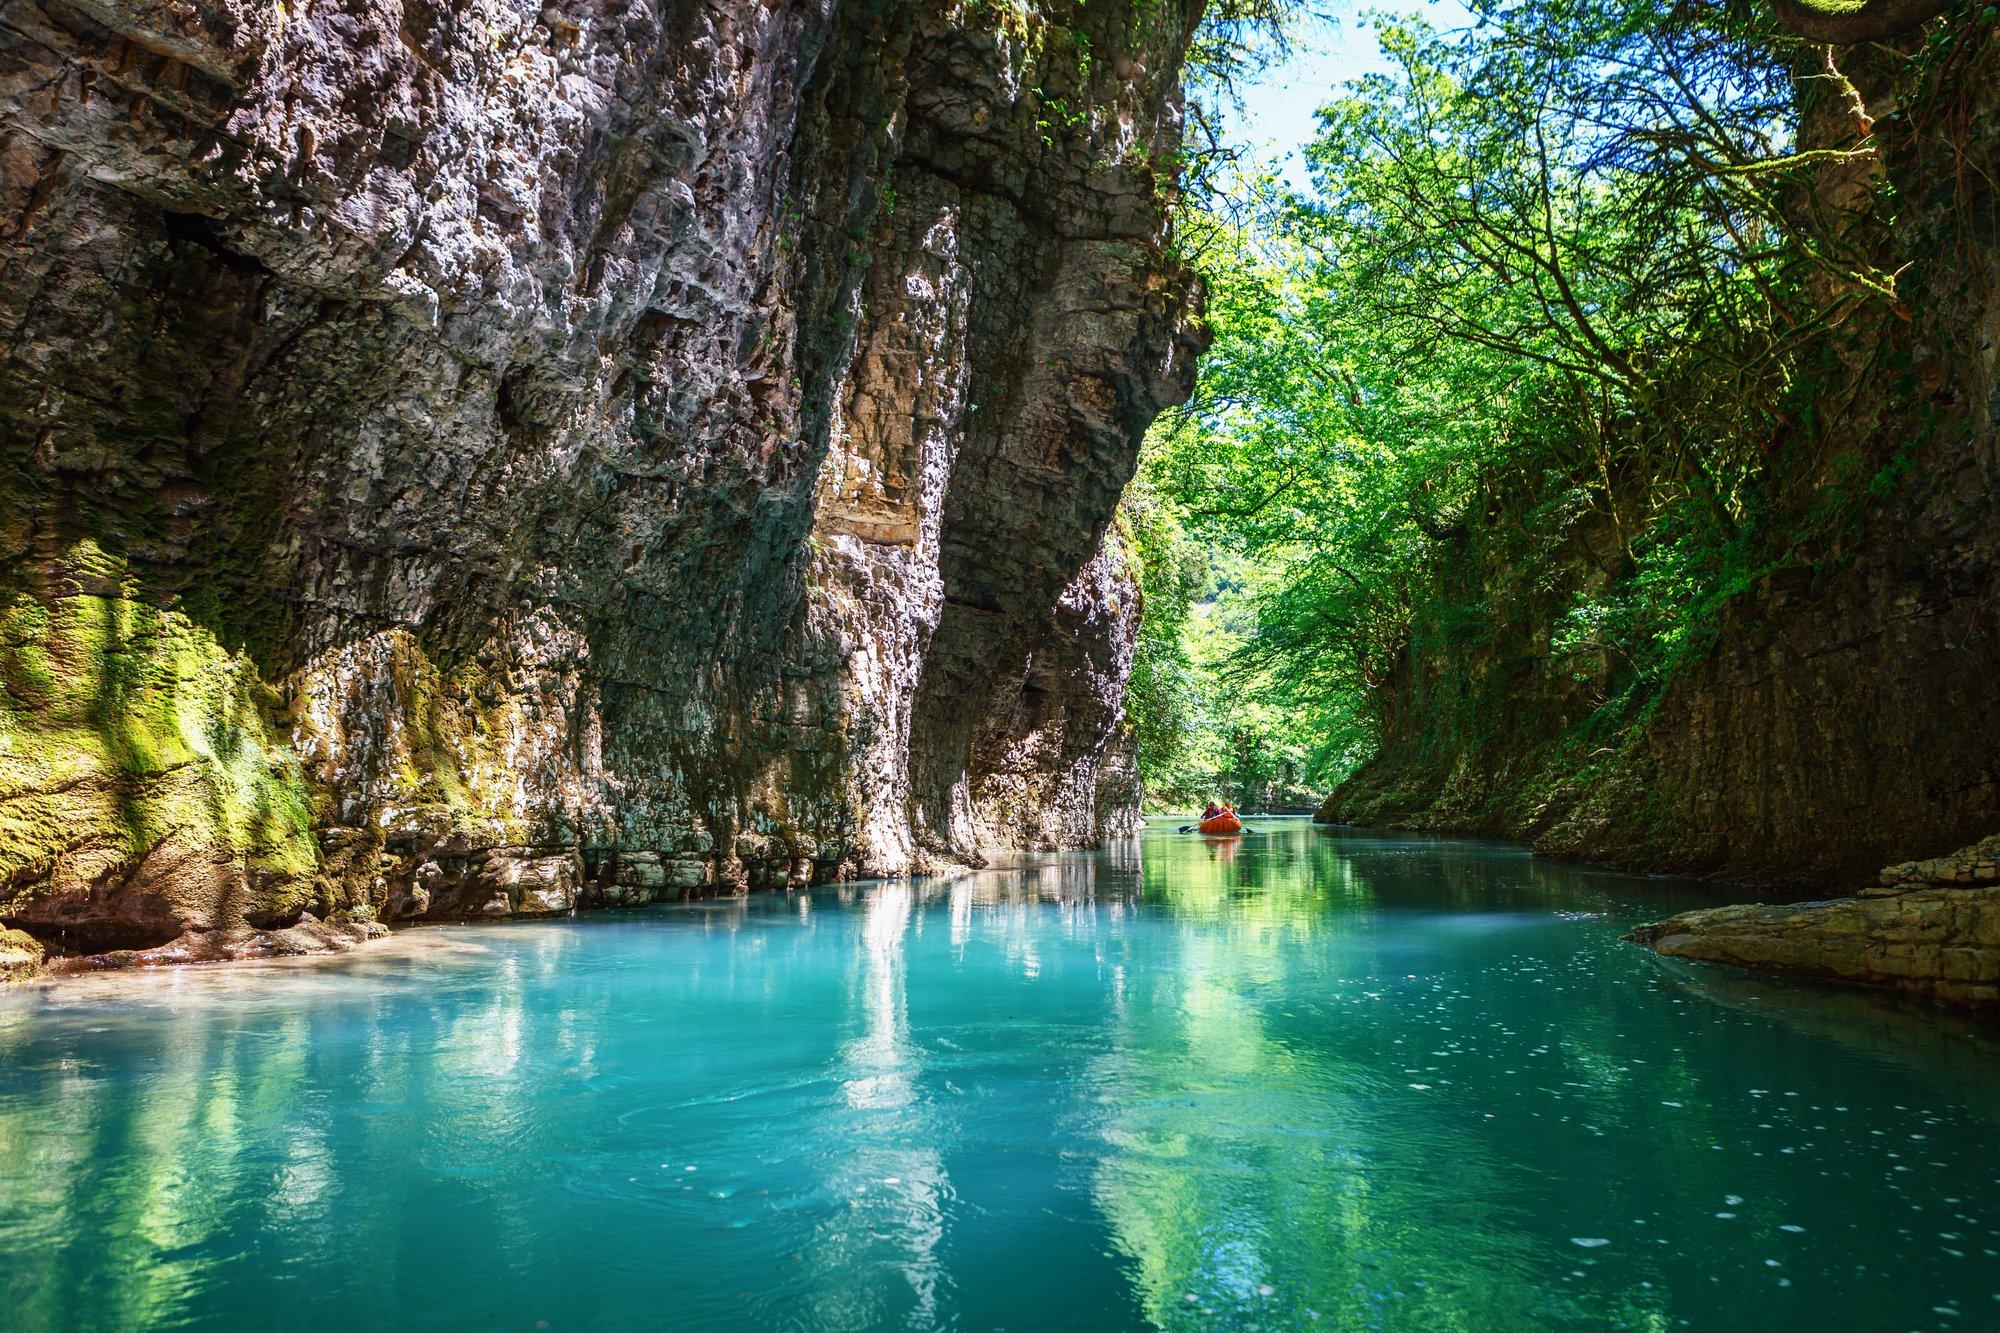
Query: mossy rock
20, 955
125, 726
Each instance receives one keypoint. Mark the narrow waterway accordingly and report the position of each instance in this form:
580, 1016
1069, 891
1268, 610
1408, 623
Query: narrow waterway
1306, 1079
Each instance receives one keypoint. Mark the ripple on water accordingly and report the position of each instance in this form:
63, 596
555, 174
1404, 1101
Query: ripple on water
1335, 1080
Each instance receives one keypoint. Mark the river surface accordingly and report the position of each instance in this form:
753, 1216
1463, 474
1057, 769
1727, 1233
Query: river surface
1309, 1079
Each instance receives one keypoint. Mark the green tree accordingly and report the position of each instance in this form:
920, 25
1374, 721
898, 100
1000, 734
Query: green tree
1563, 295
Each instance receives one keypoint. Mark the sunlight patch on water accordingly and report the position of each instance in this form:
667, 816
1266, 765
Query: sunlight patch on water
1329, 1080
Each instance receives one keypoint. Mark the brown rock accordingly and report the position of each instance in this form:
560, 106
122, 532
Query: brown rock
677, 428
1935, 939
20, 955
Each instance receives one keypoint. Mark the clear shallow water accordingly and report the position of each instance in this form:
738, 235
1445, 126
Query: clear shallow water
1313, 1080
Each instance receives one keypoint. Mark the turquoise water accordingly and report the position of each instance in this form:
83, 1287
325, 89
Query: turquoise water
1315, 1079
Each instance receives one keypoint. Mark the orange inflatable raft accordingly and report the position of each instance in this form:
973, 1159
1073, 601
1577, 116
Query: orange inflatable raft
1222, 825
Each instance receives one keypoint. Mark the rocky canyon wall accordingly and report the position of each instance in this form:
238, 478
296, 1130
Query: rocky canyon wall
1848, 714
472, 459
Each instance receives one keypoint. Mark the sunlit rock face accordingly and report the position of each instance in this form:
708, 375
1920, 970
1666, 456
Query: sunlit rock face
474, 459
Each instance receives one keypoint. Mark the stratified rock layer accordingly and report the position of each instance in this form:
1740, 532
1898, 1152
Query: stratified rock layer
1929, 929
478, 459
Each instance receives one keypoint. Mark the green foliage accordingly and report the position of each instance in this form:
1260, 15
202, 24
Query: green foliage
1528, 359
1206, 727
1234, 41
1164, 697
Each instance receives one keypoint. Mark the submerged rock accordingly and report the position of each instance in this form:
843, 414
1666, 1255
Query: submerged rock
1929, 929
472, 460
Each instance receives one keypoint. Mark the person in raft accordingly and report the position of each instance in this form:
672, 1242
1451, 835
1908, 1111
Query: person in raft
1212, 811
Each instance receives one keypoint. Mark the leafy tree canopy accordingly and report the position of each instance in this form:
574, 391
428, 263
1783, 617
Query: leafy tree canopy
1562, 295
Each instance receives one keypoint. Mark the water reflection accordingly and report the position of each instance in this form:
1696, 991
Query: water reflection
1235, 1146
1315, 1136
888, 1168
1316, 1079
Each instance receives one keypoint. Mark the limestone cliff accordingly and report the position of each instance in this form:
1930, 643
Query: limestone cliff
467, 459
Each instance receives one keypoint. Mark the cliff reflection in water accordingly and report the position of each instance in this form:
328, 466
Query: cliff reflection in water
1313, 1078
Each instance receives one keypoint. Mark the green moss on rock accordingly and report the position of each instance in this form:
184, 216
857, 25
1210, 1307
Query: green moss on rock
125, 727
20, 955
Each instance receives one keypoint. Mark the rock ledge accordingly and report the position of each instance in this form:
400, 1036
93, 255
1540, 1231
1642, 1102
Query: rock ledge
1930, 929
